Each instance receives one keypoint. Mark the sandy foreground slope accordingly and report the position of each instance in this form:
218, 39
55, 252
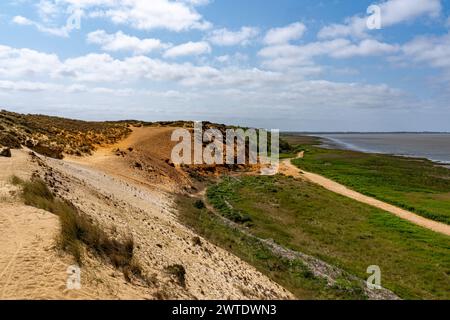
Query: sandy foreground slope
126, 192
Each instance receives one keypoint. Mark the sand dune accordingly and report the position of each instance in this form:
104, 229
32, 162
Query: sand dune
122, 199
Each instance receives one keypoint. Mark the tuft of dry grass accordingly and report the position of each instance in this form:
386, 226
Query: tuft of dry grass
78, 230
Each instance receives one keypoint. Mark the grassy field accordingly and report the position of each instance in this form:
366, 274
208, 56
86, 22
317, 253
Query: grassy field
291, 274
415, 262
417, 185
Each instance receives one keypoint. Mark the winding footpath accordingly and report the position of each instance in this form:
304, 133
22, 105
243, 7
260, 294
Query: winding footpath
288, 168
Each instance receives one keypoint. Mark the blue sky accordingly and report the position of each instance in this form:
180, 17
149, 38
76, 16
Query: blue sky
290, 64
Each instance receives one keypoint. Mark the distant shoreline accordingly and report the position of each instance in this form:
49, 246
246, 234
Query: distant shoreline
363, 132
367, 147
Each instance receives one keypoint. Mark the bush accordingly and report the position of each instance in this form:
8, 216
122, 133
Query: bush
199, 204
49, 151
9, 140
196, 241
285, 147
15, 180
179, 272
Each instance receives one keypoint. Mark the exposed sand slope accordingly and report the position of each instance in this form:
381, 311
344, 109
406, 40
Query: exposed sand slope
120, 196
124, 200
288, 168
30, 265
27, 264
151, 151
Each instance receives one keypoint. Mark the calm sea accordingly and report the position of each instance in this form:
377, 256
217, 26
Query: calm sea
435, 147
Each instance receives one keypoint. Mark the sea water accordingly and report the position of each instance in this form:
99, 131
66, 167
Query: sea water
432, 146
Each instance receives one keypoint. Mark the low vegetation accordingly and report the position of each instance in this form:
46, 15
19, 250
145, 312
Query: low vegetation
291, 274
301, 216
220, 196
77, 230
293, 144
417, 185
54, 136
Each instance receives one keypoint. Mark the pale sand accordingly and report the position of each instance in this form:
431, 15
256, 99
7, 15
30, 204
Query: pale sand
123, 200
288, 168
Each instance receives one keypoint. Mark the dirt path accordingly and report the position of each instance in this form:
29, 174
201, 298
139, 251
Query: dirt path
288, 168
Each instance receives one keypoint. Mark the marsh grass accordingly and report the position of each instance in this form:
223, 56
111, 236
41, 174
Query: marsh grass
291, 274
414, 261
416, 185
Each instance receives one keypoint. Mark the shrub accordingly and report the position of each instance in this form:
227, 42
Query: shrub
8, 139
49, 151
179, 272
15, 180
199, 204
196, 241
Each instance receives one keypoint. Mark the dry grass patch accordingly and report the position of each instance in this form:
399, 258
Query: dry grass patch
78, 230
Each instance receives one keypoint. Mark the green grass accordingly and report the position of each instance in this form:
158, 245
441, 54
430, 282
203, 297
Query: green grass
291, 274
417, 185
77, 229
415, 262
295, 139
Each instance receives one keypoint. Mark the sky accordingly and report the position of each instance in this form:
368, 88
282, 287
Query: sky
293, 65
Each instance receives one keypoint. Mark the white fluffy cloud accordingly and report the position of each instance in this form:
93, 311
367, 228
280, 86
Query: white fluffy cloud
22, 21
122, 42
283, 79
8, 85
18, 64
148, 15
47, 10
286, 55
26, 63
88, 83
286, 34
433, 51
60, 32
174, 15
392, 12
225, 37
188, 49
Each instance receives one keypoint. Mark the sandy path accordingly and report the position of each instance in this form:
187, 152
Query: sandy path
29, 266
288, 168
